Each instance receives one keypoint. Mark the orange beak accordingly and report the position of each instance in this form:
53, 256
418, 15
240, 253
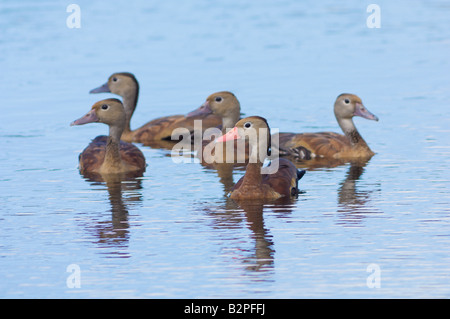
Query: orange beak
231, 135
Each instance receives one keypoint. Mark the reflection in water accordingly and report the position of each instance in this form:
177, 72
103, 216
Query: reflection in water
263, 251
114, 232
260, 257
229, 215
348, 196
353, 203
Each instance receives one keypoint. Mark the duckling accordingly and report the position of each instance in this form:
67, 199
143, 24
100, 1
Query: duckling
255, 185
331, 145
126, 85
108, 154
226, 106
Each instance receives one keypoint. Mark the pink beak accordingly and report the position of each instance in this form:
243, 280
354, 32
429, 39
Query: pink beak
231, 135
90, 117
365, 113
202, 111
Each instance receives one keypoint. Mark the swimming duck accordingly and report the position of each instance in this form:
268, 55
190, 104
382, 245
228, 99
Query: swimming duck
126, 85
226, 106
255, 185
108, 154
331, 145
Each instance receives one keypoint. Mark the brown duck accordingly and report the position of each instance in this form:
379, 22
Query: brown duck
108, 154
226, 106
331, 145
126, 85
255, 185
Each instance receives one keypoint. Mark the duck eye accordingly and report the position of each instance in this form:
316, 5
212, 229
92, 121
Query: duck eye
247, 124
346, 101
104, 107
114, 79
218, 99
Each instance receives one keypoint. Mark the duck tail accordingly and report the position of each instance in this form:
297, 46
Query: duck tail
300, 173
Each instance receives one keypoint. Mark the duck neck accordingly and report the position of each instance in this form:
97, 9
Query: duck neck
253, 174
228, 122
352, 134
112, 154
130, 99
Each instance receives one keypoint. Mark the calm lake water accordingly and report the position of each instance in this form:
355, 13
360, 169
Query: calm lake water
173, 233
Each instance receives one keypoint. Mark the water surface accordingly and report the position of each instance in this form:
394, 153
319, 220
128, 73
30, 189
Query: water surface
173, 233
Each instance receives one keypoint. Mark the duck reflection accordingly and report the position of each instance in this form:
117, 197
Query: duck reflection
263, 253
348, 195
230, 214
352, 201
114, 231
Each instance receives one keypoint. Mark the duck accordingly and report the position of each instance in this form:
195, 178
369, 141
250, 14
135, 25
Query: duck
281, 182
330, 145
223, 104
226, 106
126, 85
108, 154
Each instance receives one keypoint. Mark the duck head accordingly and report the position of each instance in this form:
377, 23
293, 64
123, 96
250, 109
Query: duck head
120, 83
256, 131
349, 105
223, 104
109, 111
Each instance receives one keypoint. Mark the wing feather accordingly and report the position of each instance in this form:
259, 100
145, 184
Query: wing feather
93, 155
324, 144
163, 127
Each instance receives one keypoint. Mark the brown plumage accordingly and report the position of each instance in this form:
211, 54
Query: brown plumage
255, 185
107, 154
226, 106
126, 85
331, 145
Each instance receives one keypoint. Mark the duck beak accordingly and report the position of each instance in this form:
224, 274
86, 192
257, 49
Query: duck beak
203, 110
231, 135
363, 112
90, 117
101, 89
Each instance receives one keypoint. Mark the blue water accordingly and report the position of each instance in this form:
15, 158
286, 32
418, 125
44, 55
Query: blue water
173, 233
